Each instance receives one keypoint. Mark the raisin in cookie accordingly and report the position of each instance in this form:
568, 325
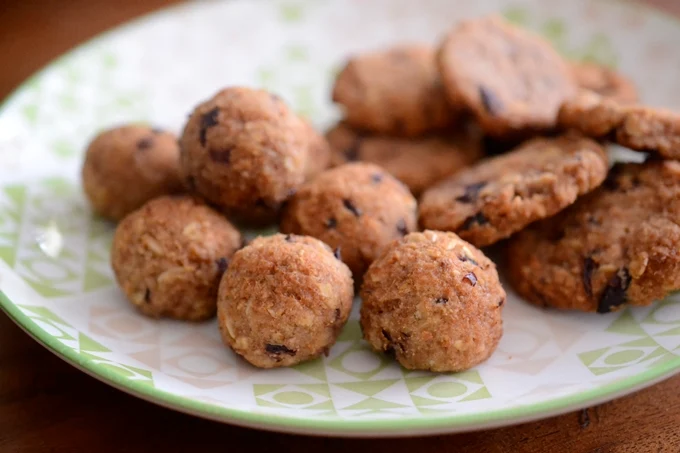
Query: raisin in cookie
501, 195
396, 92
417, 162
357, 208
169, 256
605, 82
434, 302
652, 130
127, 166
618, 245
244, 151
284, 300
511, 80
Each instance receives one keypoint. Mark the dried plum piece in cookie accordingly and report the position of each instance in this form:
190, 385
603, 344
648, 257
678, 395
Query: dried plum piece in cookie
417, 162
395, 91
616, 246
358, 207
501, 195
647, 129
434, 302
512, 80
605, 81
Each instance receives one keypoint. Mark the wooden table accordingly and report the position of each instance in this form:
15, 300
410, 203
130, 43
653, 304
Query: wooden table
49, 406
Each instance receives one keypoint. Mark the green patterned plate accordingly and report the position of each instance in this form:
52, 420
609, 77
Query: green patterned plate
54, 272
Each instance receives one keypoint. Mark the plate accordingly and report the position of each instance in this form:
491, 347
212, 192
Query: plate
54, 255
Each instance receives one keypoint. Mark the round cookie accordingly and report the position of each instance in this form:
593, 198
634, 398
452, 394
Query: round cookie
356, 207
604, 81
616, 246
318, 151
395, 92
646, 129
169, 256
284, 300
417, 162
127, 166
245, 152
434, 302
501, 195
513, 81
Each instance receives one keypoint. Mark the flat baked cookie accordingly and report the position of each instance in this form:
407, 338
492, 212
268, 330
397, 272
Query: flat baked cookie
417, 162
605, 82
513, 81
617, 246
501, 195
652, 130
395, 92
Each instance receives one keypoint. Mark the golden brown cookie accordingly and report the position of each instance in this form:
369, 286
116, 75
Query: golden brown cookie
605, 82
434, 302
127, 166
652, 130
244, 151
417, 162
501, 195
617, 246
169, 256
512, 80
395, 92
284, 300
318, 151
358, 208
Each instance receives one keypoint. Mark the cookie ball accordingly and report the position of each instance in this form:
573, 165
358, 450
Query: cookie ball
615, 247
434, 302
318, 151
169, 256
127, 166
395, 92
417, 162
358, 208
284, 300
244, 151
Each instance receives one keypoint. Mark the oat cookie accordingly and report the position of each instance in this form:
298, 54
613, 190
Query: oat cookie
652, 130
396, 92
357, 208
284, 300
617, 246
127, 166
169, 256
512, 80
244, 151
417, 162
605, 82
318, 151
434, 302
501, 195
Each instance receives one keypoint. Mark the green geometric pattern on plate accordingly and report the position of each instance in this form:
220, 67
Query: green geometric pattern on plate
52, 254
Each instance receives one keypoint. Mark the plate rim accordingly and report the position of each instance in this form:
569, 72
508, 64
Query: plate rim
397, 427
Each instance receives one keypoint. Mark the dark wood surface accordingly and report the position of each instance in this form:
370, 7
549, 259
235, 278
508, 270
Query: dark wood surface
48, 406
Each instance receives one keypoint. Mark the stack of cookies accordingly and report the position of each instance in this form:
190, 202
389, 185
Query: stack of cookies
500, 139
